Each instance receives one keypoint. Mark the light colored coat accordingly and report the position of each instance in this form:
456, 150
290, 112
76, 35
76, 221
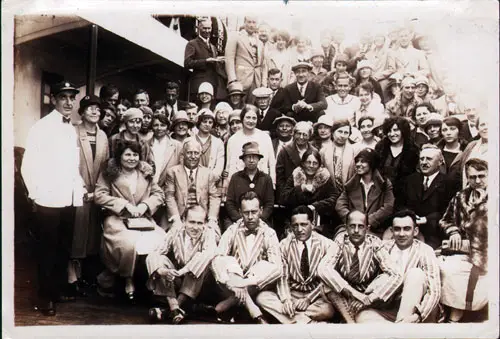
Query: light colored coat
118, 246
409, 60
87, 231
240, 64
173, 153
292, 278
350, 151
422, 256
176, 191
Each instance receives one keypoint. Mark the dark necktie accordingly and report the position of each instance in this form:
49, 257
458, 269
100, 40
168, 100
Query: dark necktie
304, 262
426, 183
353, 275
191, 179
261, 115
66, 120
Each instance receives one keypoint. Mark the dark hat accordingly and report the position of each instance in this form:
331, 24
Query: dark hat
342, 58
235, 88
284, 118
250, 148
340, 123
146, 110
63, 86
87, 101
180, 116
301, 64
370, 156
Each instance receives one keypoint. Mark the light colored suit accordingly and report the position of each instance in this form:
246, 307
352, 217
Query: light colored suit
217, 151
173, 152
293, 286
240, 64
350, 151
377, 273
176, 191
175, 255
422, 284
262, 260
409, 60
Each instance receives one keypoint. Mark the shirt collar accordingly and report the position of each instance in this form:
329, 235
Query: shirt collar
431, 178
207, 41
189, 169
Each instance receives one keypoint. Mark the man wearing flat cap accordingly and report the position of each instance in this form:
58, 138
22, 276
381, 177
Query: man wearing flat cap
50, 170
266, 114
304, 98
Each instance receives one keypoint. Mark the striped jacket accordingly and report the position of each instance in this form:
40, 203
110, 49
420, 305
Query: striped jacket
422, 256
233, 244
196, 260
377, 273
292, 278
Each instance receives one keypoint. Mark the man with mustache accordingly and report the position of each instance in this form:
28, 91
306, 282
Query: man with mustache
357, 271
51, 174
248, 259
298, 296
419, 298
190, 184
427, 193
178, 269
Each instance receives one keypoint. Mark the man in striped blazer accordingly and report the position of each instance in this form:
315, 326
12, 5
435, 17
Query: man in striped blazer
357, 271
178, 268
248, 259
417, 262
298, 296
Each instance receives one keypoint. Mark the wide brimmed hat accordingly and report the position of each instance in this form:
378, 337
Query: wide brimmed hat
251, 148
87, 101
132, 113
324, 120
262, 92
63, 86
302, 64
235, 88
180, 116
284, 118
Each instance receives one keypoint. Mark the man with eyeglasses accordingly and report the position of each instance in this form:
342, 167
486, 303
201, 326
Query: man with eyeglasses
357, 271
248, 259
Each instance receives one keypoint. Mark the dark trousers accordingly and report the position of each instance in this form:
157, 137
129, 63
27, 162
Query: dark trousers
55, 234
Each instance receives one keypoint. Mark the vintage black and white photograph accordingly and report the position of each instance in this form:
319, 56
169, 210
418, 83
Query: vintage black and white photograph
177, 165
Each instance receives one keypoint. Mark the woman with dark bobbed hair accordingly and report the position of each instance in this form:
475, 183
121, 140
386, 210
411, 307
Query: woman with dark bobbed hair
451, 144
398, 152
310, 184
127, 191
367, 191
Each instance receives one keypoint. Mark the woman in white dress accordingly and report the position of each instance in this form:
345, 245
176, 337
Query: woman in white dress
280, 56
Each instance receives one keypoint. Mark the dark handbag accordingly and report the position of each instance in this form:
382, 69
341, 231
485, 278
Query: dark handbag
139, 224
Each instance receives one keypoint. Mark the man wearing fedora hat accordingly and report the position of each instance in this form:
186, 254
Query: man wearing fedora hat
51, 174
304, 98
266, 114
250, 179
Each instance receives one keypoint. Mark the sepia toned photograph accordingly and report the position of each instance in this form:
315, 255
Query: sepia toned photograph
201, 168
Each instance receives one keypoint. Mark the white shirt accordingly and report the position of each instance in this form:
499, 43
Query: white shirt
366, 188
300, 248
282, 144
431, 179
170, 108
304, 88
400, 257
250, 240
158, 148
301, 151
188, 170
472, 129
50, 164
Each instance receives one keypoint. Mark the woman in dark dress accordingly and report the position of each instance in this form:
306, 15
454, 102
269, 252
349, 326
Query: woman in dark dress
451, 145
398, 153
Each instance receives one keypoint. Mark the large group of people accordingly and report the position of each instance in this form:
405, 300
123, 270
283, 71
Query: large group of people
296, 185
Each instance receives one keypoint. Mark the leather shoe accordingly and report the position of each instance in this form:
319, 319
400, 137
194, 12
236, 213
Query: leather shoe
47, 308
260, 320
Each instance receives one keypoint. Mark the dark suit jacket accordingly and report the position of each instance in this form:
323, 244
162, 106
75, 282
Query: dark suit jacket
278, 100
465, 132
267, 123
195, 56
287, 160
430, 204
314, 96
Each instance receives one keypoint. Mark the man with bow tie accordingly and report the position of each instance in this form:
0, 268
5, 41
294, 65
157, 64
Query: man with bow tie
248, 259
357, 271
201, 56
298, 296
427, 193
417, 262
191, 184
178, 268
304, 98
50, 170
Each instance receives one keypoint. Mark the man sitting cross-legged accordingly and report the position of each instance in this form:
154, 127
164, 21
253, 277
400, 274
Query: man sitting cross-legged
418, 301
298, 297
248, 259
178, 268
357, 270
